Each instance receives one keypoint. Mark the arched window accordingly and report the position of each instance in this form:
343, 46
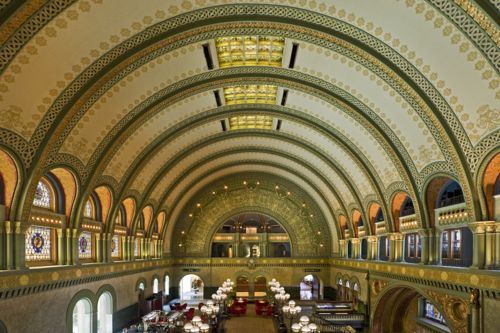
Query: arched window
105, 313
88, 211
450, 195
82, 316
167, 285
142, 286
407, 207
43, 196
156, 286
380, 216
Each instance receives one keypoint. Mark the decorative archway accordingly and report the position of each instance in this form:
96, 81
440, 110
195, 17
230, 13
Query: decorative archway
408, 302
203, 216
311, 288
191, 287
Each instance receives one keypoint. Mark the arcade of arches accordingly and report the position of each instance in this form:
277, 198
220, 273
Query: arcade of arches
349, 149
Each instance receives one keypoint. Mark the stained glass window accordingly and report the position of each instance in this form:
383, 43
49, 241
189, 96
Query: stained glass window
88, 209
136, 248
42, 196
85, 245
431, 312
115, 246
38, 243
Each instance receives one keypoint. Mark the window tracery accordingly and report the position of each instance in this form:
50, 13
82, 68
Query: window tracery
43, 197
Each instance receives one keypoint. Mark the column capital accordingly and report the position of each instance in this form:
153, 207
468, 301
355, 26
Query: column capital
342, 241
372, 239
8, 227
480, 227
396, 236
355, 240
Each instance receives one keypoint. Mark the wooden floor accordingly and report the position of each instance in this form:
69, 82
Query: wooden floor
250, 323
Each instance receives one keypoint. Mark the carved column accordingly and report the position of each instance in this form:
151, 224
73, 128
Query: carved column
19, 247
60, 247
372, 248
342, 247
435, 247
489, 260
398, 251
98, 248
479, 244
9, 247
356, 253
424, 243
69, 258
74, 249
236, 244
497, 245
131, 242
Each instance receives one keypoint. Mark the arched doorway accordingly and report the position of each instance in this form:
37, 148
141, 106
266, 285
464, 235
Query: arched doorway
82, 316
260, 286
242, 286
310, 288
409, 312
105, 313
191, 287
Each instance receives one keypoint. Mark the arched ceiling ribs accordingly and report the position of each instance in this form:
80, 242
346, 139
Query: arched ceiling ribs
396, 158
253, 138
289, 114
379, 51
205, 163
197, 150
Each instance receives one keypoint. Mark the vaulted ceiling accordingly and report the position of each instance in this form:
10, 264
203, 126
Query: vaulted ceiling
350, 101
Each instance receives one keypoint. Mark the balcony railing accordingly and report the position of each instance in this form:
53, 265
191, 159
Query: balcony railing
454, 214
380, 227
408, 222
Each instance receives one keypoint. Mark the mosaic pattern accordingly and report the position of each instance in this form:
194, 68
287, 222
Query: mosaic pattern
38, 242
85, 245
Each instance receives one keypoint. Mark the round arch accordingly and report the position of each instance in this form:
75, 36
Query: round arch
156, 283
191, 287
141, 284
87, 320
259, 200
399, 297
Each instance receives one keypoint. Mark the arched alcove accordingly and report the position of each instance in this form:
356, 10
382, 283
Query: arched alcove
105, 313
191, 287
82, 316
310, 287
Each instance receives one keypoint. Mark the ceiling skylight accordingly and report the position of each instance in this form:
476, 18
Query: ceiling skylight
250, 51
